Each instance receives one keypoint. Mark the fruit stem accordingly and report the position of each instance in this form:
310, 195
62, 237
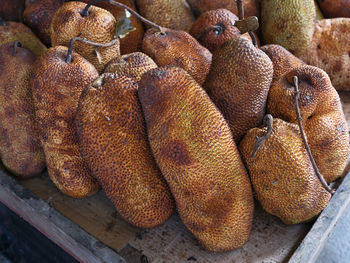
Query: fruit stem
15, 45
86, 41
268, 121
297, 109
241, 17
85, 12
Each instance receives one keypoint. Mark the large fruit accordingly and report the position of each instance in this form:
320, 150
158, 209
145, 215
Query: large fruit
20, 147
238, 83
193, 147
57, 86
99, 26
11, 10
113, 142
12, 31
335, 8
282, 175
180, 49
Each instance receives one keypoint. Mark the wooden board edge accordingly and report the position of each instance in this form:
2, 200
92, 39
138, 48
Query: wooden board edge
64, 233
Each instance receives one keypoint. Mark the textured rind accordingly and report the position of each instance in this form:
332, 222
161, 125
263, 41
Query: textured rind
132, 65
193, 147
288, 23
133, 41
251, 7
201, 28
99, 26
12, 31
282, 175
113, 142
20, 147
180, 49
38, 16
238, 83
323, 118
335, 8
11, 10
57, 87
173, 14
330, 50
283, 61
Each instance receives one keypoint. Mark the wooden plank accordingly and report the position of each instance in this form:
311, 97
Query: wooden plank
54, 225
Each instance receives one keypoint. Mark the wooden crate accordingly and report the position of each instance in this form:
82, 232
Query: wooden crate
91, 230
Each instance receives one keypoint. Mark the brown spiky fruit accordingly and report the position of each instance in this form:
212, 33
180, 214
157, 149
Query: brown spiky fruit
113, 142
283, 61
251, 7
11, 10
330, 50
193, 147
215, 27
57, 86
12, 31
132, 65
38, 15
99, 26
238, 83
282, 175
322, 116
180, 49
20, 147
335, 8
133, 41
174, 14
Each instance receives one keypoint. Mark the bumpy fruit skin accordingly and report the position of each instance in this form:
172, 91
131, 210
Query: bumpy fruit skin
173, 14
238, 83
202, 28
12, 31
99, 26
132, 65
323, 118
288, 23
113, 142
282, 175
283, 61
193, 147
57, 87
180, 49
335, 8
38, 16
133, 41
20, 147
251, 7
330, 50
11, 10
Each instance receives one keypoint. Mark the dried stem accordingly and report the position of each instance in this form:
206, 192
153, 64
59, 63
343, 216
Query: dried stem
15, 45
299, 118
132, 11
86, 41
268, 121
241, 17
254, 41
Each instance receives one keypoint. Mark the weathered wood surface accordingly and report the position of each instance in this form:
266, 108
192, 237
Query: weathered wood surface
270, 240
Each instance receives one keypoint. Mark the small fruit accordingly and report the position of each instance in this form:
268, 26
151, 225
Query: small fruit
20, 147
12, 31
113, 142
238, 83
57, 86
193, 147
180, 49
175, 14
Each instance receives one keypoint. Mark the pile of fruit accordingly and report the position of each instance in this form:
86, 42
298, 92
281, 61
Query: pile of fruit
193, 114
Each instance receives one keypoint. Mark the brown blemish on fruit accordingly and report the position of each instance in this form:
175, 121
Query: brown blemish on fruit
176, 152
